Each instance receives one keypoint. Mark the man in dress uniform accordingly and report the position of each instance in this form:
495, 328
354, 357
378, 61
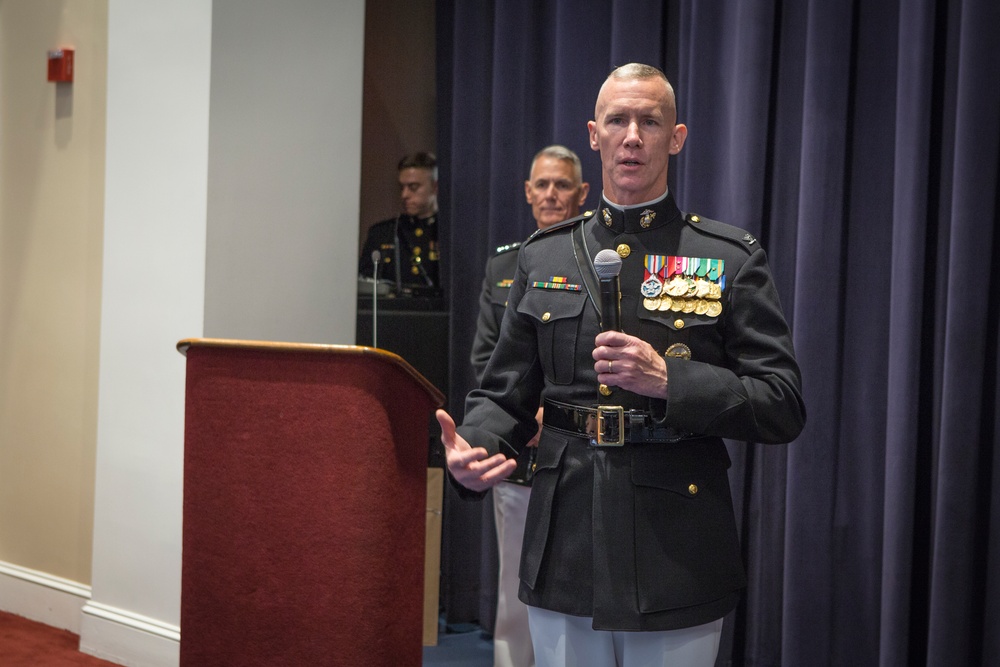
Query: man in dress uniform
556, 191
408, 243
630, 553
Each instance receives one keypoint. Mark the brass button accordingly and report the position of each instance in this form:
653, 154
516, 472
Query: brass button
678, 351
605, 390
695, 218
533, 467
679, 323
623, 250
546, 317
693, 489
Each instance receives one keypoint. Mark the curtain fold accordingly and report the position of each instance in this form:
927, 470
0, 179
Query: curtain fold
860, 143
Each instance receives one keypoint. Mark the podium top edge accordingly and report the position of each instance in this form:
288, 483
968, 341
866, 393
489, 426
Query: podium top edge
275, 346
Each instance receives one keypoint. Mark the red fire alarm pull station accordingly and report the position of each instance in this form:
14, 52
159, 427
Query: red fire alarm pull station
61, 65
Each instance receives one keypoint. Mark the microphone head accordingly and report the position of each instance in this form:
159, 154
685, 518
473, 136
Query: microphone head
376, 256
607, 264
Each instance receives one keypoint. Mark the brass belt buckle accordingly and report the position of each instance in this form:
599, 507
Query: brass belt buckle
610, 426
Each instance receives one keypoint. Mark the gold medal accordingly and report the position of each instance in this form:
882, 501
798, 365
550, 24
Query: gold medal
676, 286
702, 288
677, 305
651, 303
665, 302
689, 305
692, 287
701, 307
714, 309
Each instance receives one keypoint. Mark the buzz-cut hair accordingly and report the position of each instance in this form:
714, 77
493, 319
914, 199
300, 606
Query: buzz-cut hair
635, 71
560, 152
421, 160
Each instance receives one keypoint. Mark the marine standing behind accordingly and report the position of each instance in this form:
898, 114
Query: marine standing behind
556, 191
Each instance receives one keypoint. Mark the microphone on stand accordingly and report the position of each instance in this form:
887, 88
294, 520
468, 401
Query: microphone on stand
376, 256
608, 265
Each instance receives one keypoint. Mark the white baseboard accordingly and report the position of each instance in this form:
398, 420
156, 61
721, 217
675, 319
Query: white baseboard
42, 597
105, 632
128, 639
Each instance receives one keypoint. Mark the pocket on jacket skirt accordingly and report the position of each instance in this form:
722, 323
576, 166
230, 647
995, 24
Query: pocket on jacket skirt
687, 547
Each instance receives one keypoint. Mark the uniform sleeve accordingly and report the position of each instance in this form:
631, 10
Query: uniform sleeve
757, 395
487, 327
500, 414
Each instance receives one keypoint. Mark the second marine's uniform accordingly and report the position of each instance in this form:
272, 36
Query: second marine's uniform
409, 251
631, 520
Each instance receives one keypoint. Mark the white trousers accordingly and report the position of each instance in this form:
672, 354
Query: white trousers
511, 636
570, 641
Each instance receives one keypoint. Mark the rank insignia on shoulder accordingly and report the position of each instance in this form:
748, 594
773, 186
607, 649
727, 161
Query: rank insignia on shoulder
556, 283
509, 246
748, 237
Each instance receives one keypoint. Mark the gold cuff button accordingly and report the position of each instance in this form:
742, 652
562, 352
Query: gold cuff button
605, 390
546, 317
693, 489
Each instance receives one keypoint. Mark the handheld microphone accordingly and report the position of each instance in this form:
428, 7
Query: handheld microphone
376, 256
608, 265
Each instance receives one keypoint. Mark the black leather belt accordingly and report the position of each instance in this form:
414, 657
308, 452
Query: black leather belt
609, 425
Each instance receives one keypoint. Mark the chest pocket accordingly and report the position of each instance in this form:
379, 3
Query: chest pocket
498, 296
556, 315
662, 328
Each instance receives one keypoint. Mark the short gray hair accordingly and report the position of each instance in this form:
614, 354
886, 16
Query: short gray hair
560, 152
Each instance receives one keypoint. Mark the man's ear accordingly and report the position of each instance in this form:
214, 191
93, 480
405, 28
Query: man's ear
678, 138
584, 191
527, 191
592, 129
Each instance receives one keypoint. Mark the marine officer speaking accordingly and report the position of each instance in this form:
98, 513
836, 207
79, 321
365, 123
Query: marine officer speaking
630, 554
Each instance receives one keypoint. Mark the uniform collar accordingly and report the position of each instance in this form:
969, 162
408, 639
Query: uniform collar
639, 218
414, 221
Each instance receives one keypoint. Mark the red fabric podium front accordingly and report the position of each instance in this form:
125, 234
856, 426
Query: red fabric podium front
304, 505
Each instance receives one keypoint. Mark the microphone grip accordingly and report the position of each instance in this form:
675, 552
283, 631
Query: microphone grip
611, 310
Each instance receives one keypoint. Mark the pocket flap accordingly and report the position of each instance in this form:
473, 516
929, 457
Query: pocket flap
551, 305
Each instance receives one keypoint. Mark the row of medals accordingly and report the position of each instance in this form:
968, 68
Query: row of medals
681, 294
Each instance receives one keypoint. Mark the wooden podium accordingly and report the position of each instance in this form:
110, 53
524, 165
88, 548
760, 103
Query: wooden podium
305, 488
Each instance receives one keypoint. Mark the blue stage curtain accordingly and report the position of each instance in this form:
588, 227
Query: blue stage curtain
860, 143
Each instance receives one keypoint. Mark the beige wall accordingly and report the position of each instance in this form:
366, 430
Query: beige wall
52, 169
51, 210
